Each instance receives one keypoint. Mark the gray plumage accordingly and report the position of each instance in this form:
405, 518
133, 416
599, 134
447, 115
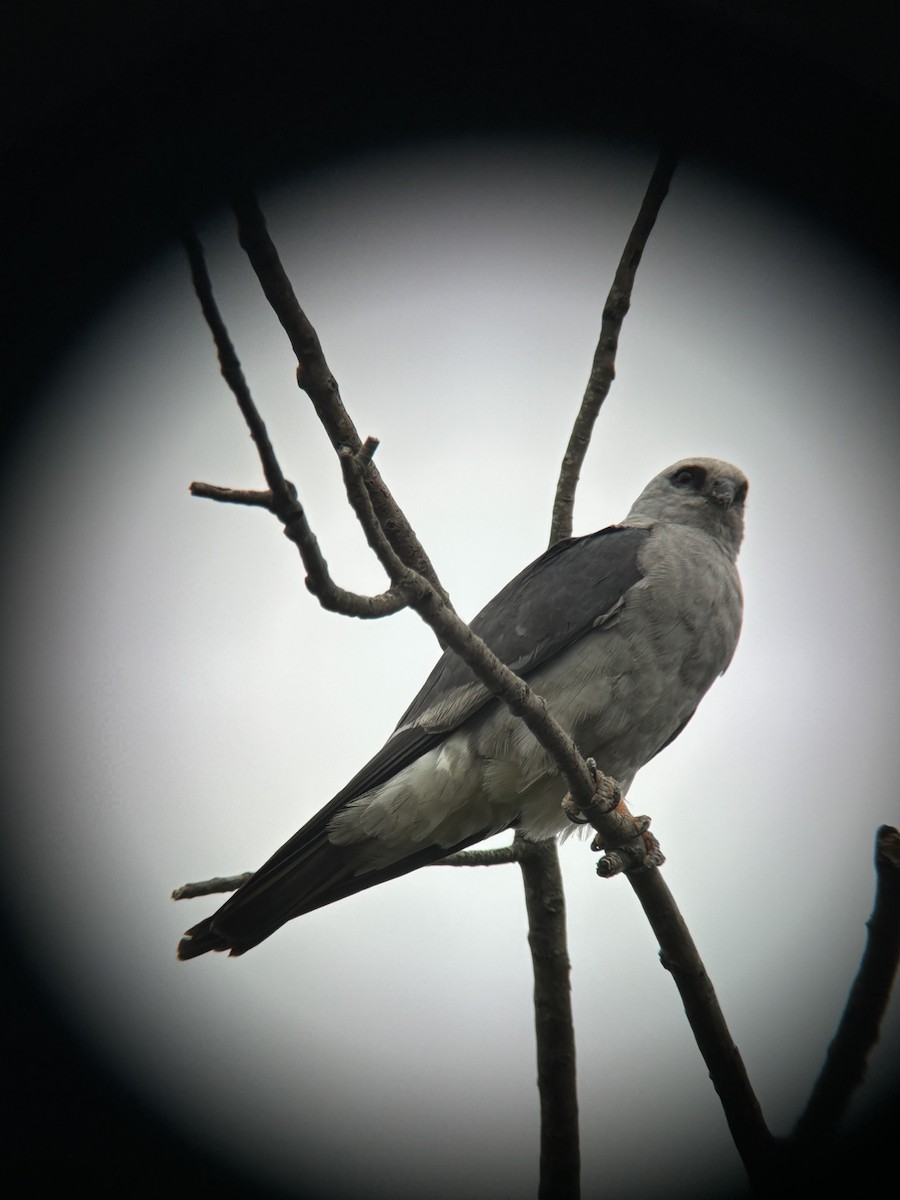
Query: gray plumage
622, 632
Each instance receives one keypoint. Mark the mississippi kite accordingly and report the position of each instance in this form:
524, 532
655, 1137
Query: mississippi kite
622, 632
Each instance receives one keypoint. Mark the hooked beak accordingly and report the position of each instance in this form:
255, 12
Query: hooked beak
724, 492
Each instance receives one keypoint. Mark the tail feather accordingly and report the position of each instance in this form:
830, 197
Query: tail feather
200, 939
305, 874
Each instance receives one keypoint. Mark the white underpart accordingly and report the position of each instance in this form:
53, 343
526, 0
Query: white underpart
454, 792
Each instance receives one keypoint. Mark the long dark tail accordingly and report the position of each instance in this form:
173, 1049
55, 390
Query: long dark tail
297, 879
308, 872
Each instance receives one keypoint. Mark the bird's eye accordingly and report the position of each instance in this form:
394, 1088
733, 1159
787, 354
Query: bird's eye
689, 477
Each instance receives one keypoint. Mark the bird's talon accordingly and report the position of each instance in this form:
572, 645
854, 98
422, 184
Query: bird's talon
572, 811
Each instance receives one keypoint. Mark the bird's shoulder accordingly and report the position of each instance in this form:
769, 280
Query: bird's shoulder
556, 599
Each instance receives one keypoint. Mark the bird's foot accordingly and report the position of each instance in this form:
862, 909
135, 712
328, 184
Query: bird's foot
623, 839
637, 854
607, 794
626, 833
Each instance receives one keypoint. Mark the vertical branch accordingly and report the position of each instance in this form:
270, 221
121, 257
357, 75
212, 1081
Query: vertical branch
546, 907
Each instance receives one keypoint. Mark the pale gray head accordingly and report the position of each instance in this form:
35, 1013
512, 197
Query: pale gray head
704, 493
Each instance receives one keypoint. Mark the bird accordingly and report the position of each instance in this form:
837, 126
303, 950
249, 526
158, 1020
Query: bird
621, 631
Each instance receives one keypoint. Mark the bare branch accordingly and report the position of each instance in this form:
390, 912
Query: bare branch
316, 379
845, 1063
210, 887
603, 370
357, 470
555, 1034
232, 372
321, 585
281, 499
630, 848
225, 495
679, 955
481, 858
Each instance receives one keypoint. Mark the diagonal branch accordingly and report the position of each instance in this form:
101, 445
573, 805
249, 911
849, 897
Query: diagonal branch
845, 1063
633, 850
232, 371
679, 955
316, 379
455, 633
603, 369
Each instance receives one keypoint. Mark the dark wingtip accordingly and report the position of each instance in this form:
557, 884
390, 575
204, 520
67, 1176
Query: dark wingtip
200, 940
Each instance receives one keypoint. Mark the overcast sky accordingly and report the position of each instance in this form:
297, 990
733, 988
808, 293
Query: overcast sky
183, 706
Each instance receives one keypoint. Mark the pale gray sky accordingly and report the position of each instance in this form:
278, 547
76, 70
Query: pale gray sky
182, 705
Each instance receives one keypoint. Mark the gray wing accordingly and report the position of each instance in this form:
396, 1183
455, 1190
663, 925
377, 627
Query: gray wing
560, 597
553, 602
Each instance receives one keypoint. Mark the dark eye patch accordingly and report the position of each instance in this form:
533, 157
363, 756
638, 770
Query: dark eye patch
689, 478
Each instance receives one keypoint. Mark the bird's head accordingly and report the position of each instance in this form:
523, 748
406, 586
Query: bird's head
704, 493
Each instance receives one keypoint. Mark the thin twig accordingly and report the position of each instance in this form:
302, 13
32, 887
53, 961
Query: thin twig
603, 370
496, 856
230, 365
281, 499
226, 495
210, 887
